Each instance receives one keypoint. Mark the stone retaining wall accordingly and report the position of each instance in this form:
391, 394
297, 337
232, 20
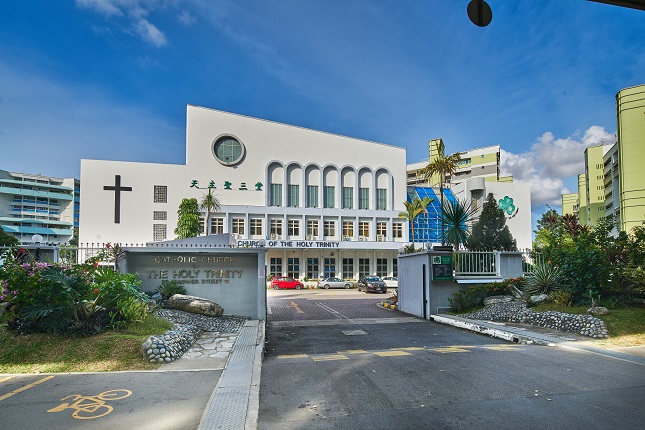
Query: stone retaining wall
517, 312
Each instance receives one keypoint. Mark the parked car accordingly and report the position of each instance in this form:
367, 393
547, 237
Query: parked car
391, 282
371, 284
285, 282
333, 283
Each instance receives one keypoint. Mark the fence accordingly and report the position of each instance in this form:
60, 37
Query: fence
489, 263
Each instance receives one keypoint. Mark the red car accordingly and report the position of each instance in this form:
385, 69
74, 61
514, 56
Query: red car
285, 282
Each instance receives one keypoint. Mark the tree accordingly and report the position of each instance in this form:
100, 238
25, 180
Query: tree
442, 166
413, 209
7, 239
188, 220
210, 203
491, 233
455, 216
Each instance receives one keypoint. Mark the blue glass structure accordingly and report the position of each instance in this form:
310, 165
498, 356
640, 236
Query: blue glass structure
427, 226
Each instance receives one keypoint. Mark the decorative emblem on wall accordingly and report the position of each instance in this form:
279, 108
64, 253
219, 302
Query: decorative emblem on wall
506, 204
117, 188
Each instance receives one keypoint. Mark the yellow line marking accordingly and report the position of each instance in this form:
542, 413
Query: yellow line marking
447, 349
6, 379
391, 353
354, 351
410, 348
329, 357
502, 347
293, 356
26, 387
295, 306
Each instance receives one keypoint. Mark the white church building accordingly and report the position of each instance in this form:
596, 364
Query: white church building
321, 204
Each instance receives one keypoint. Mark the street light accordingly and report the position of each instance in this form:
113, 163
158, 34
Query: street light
38, 239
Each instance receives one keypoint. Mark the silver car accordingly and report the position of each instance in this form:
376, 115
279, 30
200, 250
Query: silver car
334, 283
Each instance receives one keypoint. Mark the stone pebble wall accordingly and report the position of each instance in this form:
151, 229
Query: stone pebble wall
187, 327
517, 312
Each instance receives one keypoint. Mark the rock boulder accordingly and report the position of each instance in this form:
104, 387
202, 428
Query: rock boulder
497, 299
598, 310
195, 305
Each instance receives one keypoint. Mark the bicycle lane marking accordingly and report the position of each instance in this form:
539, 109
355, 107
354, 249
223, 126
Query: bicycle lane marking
90, 407
26, 387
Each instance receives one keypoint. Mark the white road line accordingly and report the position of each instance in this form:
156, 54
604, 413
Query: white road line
335, 312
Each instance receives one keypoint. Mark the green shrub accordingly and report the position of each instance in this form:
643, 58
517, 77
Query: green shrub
474, 295
167, 289
543, 279
561, 298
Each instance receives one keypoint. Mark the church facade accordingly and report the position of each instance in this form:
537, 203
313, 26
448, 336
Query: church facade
321, 204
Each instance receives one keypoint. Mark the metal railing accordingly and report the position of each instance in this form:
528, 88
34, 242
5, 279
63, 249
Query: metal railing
475, 263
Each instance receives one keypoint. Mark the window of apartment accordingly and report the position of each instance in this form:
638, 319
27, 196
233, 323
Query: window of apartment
159, 215
201, 225
363, 267
275, 195
330, 228
330, 267
348, 229
293, 197
294, 227
161, 194
381, 267
276, 227
313, 269
312, 228
364, 229
348, 198
217, 225
381, 199
381, 230
275, 268
237, 226
397, 230
329, 197
348, 268
312, 196
364, 198
159, 232
255, 226
293, 267
395, 268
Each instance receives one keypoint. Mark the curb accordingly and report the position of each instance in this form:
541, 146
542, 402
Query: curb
386, 306
493, 332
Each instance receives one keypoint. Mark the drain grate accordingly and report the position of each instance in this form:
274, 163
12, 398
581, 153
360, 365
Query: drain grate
354, 332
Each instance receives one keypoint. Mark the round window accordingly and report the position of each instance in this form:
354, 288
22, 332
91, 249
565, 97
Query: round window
228, 150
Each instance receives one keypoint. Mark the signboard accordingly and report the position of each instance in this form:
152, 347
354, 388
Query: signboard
442, 268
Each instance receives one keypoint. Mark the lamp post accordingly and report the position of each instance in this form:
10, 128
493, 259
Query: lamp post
37, 239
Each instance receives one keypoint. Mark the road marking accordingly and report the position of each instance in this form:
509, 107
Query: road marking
446, 349
295, 306
6, 379
333, 311
502, 347
329, 357
391, 353
354, 351
269, 310
90, 407
410, 348
293, 356
26, 387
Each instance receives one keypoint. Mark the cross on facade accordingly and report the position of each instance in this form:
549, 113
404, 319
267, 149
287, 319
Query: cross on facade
117, 188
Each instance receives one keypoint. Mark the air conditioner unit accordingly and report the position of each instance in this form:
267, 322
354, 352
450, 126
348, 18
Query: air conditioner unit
274, 237
362, 238
347, 238
310, 237
380, 238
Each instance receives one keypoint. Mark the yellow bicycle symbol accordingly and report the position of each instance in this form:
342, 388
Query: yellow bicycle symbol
89, 407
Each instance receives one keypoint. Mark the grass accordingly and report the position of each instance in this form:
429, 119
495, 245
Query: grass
626, 326
104, 352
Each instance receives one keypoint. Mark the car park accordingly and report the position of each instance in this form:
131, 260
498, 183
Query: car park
371, 284
279, 282
334, 283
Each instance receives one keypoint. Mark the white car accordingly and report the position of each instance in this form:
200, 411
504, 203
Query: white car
391, 282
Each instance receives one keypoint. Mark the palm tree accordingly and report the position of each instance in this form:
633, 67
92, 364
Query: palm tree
413, 209
188, 219
210, 203
441, 166
456, 216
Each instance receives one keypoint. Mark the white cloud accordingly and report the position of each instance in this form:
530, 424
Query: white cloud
150, 33
135, 12
186, 18
550, 162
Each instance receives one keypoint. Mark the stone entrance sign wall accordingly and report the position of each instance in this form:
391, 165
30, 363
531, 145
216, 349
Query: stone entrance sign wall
234, 278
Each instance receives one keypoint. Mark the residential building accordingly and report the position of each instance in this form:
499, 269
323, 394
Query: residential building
570, 204
322, 204
33, 204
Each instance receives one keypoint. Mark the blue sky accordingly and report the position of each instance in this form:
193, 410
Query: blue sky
110, 79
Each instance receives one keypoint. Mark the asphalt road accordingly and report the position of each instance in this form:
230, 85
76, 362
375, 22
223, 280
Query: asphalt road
106, 401
347, 369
